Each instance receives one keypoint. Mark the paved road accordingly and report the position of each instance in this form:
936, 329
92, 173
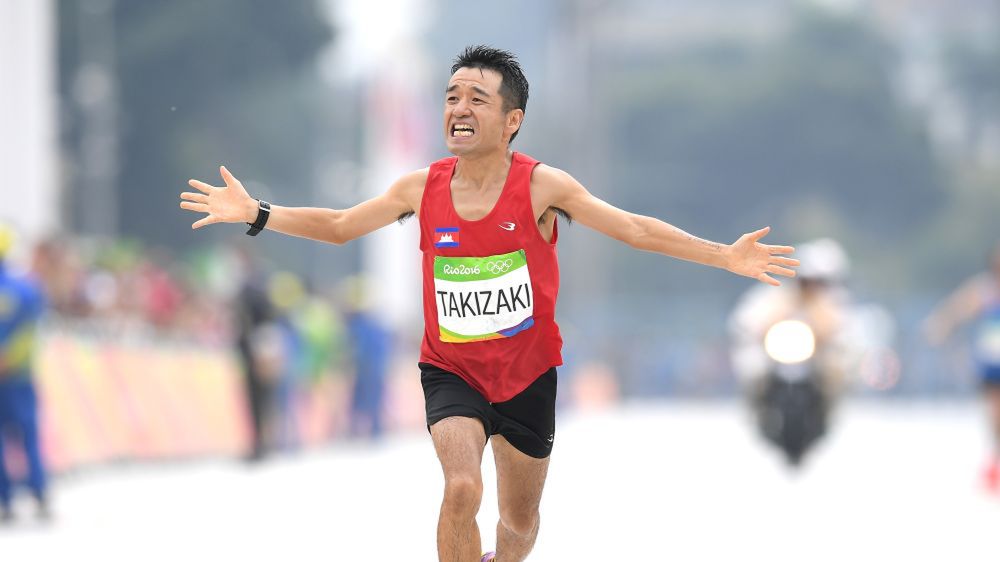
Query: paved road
666, 481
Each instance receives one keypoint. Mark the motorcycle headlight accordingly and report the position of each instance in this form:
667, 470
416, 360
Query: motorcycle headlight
790, 341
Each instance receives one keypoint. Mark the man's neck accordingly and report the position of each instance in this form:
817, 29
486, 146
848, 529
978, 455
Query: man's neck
483, 171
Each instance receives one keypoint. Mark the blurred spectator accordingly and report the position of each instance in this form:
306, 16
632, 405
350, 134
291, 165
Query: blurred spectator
978, 300
287, 295
62, 275
371, 348
323, 336
260, 348
21, 305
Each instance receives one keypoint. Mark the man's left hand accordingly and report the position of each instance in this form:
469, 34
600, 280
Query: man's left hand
748, 257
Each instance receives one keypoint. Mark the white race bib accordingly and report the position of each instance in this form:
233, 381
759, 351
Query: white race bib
988, 342
482, 298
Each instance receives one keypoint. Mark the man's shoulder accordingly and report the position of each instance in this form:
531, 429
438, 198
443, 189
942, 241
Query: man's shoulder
415, 179
420, 174
544, 175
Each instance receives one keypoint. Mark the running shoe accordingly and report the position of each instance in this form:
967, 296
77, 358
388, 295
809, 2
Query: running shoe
488, 557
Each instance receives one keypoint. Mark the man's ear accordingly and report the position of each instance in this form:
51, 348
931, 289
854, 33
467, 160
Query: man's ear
514, 119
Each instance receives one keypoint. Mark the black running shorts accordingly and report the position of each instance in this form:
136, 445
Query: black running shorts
527, 421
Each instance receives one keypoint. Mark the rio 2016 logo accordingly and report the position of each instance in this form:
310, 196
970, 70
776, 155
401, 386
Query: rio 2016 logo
460, 270
495, 267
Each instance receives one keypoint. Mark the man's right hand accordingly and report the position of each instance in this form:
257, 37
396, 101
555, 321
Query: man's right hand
222, 204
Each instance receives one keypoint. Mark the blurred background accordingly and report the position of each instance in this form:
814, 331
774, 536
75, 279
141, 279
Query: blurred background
163, 353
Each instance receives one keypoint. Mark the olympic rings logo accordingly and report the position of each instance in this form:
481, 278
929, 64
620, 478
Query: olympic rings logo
500, 266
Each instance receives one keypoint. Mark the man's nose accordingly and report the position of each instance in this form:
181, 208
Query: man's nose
461, 108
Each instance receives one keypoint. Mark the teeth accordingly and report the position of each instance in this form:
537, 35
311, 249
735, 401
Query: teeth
463, 133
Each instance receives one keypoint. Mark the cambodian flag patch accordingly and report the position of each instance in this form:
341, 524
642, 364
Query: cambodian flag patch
446, 237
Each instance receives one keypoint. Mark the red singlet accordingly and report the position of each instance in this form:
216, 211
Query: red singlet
490, 286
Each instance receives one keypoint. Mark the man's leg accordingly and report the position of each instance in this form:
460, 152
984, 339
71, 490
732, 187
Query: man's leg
6, 414
520, 479
991, 474
27, 413
5, 486
993, 407
459, 442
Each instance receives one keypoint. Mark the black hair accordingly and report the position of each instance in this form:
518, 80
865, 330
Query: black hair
513, 86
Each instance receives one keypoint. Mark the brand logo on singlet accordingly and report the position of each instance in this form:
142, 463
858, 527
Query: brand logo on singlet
509, 226
446, 237
483, 298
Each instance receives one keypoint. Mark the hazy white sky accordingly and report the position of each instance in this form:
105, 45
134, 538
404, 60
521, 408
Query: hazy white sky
368, 30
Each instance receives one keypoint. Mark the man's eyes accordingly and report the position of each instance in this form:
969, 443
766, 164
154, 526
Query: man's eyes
452, 99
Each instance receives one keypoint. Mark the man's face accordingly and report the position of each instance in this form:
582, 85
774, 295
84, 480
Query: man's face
474, 119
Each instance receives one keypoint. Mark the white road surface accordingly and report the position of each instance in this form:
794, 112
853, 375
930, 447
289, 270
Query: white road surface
660, 482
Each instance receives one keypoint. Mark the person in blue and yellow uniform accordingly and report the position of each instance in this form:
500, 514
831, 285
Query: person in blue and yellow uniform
978, 301
21, 305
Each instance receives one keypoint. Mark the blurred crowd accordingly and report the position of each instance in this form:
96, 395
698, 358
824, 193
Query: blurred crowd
287, 335
120, 285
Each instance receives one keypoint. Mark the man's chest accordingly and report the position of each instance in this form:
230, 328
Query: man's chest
472, 204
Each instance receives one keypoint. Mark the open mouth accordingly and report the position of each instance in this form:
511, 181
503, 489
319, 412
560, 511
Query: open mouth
462, 130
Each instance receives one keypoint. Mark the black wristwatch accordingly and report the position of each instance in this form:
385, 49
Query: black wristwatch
263, 212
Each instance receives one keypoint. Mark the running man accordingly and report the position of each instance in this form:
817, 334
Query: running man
978, 300
488, 235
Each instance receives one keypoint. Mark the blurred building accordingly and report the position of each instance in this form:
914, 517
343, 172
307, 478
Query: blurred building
28, 122
926, 33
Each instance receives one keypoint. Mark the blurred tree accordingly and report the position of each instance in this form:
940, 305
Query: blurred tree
974, 70
802, 132
199, 84
960, 239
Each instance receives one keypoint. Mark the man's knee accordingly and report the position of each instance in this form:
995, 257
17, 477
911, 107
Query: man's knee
463, 493
520, 522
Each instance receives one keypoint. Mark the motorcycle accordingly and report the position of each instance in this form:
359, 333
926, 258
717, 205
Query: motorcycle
791, 407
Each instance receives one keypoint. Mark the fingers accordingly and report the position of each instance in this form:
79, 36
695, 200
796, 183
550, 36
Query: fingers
757, 235
780, 249
197, 207
765, 278
204, 222
785, 261
201, 186
196, 197
228, 177
778, 270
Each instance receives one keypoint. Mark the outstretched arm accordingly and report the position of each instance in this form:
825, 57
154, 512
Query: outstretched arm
747, 256
958, 308
232, 203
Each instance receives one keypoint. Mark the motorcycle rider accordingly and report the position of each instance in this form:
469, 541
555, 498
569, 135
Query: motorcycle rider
819, 299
